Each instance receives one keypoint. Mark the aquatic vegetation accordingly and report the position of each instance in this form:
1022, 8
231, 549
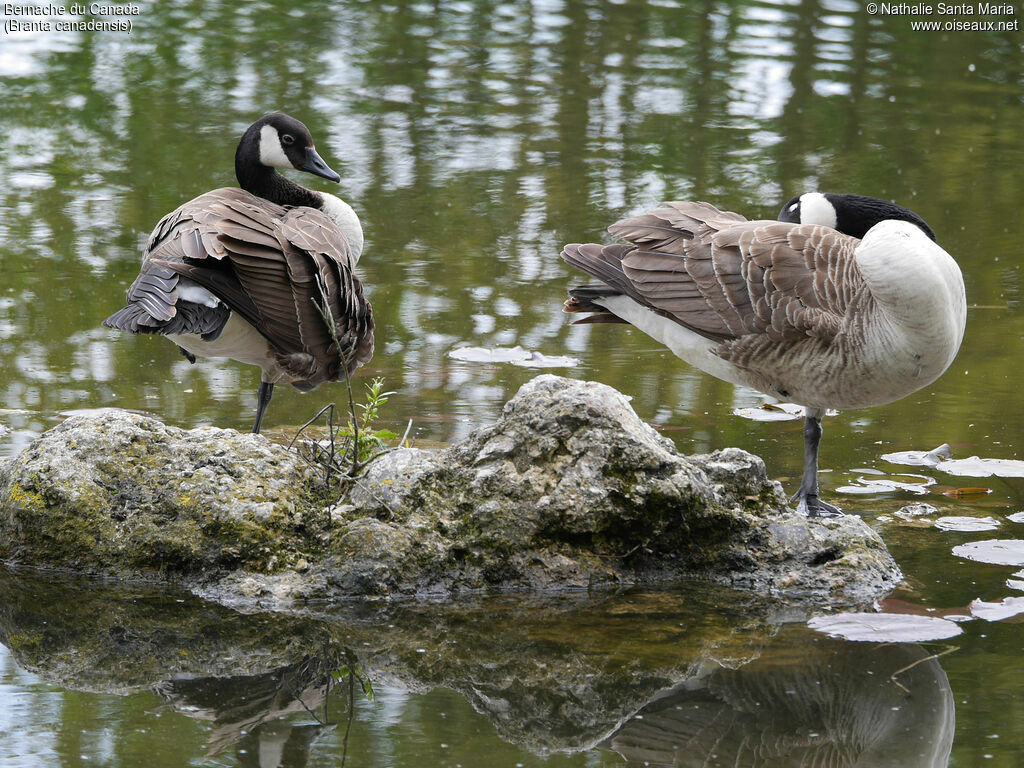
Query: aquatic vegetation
885, 627
941, 458
515, 355
993, 551
966, 524
1004, 609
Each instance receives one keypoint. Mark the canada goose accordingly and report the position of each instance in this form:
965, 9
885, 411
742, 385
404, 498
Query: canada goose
244, 273
845, 302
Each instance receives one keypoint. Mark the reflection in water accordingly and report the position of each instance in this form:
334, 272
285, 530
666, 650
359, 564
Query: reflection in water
248, 708
474, 139
825, 704
656, 676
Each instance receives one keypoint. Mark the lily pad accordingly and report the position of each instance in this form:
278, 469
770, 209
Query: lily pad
967, 524
775, 412
911, 511
771, 412
1004, 609
920, 458
994, 551
978, 467
885, 627
514, 355
886, 485
941, 458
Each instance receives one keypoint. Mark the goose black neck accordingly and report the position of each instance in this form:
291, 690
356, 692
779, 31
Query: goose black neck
261, 180
856, 214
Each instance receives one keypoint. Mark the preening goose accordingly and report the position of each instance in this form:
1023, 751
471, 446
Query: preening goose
244, 273
845, 302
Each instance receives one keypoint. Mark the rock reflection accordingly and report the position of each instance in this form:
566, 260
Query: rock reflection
820, 704
696, 676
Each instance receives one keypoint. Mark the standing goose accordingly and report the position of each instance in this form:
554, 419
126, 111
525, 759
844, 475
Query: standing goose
845, 302
244, 273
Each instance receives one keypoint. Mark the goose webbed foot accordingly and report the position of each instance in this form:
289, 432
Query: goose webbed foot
811, 506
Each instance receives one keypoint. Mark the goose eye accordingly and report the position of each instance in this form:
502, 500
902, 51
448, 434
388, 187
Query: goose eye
287, 139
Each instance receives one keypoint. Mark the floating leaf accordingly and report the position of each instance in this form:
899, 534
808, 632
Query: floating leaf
978, 467
910, 511
994, 551
886, 485
967, 524
1004, 609
941, 458
514, 355
885, 627
775, 412
771, 412
966, 493
920, 458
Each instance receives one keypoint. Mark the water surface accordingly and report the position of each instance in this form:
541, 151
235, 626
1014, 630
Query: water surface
474, 139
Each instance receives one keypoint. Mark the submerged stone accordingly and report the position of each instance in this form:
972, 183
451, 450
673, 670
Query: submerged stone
569, 489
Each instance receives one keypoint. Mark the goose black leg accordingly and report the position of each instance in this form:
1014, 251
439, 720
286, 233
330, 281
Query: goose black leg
809, 503
263, 395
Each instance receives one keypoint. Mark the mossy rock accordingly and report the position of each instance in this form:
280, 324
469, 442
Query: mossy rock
569, 489
118, 491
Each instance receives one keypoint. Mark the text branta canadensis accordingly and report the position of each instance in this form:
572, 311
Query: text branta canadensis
242, 273
845, 302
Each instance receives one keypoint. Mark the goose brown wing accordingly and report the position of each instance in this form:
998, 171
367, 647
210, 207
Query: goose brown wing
154, 303
264, 262
727, 278
321, 267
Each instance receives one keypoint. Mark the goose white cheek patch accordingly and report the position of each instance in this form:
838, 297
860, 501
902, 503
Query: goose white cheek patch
270, 149
816, 209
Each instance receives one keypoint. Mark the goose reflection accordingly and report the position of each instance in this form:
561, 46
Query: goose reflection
831, 704
251, 712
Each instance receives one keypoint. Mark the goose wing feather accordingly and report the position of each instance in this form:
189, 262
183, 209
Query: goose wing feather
267, 263
727, 278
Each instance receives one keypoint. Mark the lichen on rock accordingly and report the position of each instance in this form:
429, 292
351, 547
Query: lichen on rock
569, 489
122, 492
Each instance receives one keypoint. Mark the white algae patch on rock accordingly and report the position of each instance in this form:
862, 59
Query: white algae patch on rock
569, 489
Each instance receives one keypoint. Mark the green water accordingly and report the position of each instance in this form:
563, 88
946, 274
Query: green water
474, 139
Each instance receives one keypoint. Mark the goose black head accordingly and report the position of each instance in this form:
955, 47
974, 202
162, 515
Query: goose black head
279, 141
852, 215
